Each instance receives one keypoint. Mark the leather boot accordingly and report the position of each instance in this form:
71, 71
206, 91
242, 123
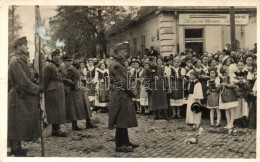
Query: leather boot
156, 115
89, 124
75, 126
56, 131
16, 149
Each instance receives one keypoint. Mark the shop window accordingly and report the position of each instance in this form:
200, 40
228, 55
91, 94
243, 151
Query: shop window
194, 39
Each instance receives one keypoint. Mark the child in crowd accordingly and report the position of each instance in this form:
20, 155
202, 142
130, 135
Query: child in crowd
144, 84
227, 98
176, 87
240, 80
213, 96
195, 95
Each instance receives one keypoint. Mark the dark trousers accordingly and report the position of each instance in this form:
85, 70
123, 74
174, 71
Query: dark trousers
122, 137
55, 127
16, 145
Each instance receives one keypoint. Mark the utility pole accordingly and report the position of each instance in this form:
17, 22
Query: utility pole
232, 29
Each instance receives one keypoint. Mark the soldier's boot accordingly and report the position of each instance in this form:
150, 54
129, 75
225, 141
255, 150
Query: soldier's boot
16, 149
75, 126
56, 131
156, 115
89, 124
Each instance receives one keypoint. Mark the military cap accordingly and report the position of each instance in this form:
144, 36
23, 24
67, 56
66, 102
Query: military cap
55, 52
121, 46
20, 41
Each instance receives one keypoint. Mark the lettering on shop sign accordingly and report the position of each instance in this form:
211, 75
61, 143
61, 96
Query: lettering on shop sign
211, 19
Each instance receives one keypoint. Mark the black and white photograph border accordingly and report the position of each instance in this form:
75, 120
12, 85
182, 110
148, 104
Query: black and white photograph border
159, 134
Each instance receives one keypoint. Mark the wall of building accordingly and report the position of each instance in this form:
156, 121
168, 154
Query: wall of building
168, 34
212, 41
148, 29
172, 35
251, 33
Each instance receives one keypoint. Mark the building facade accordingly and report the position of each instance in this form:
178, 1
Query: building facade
172, 30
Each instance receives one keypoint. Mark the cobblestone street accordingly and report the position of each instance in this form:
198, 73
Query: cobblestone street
160, 138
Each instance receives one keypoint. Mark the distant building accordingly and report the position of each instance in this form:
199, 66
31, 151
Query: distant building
171, 30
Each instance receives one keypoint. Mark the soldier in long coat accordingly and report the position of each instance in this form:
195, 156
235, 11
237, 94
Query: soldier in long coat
54, 95
121, 106
23, 110
79, 105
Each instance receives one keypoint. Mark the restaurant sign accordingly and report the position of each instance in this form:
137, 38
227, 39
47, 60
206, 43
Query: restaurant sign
211, 19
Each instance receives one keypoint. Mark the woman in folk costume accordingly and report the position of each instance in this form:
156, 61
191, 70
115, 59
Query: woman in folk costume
213, 85
137, 76
240, 80
205, 63
251, 98
219, 56
157, 95
144, 83
102, 85
195, 95
126, 63
90, 74
176, 87
227, 98
160, 62
227, 61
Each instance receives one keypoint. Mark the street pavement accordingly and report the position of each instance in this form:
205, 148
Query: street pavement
157, 139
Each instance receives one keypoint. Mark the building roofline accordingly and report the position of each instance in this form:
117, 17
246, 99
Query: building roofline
185, 9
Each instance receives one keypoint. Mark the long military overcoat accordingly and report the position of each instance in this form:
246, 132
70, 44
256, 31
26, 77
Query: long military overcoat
79, 107
54, 94
121, 106
23, 110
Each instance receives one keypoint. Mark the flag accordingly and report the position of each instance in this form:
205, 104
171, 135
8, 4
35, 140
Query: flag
37, 38
39, 27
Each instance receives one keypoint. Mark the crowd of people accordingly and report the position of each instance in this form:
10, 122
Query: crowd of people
154, 85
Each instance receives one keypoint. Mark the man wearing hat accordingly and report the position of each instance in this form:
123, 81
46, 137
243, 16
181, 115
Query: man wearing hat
54, 94
121, 106
23, 110
79, 105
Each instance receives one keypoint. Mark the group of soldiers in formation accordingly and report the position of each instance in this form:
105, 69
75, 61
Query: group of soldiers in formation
151, 84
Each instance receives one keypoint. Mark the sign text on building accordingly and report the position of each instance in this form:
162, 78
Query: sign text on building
211, 19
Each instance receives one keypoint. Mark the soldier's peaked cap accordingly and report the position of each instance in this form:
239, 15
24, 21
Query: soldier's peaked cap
55, 52
20, 41
121, 45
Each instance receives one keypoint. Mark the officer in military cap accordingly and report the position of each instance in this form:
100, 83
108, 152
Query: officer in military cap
23, 110
79, 107
54, 94
121, 106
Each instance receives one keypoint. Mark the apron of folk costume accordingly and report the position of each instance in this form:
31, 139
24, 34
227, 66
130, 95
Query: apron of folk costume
102, 88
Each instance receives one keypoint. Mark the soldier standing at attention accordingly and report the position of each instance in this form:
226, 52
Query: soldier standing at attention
23, 110
79, 105
54, 95
121, 106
